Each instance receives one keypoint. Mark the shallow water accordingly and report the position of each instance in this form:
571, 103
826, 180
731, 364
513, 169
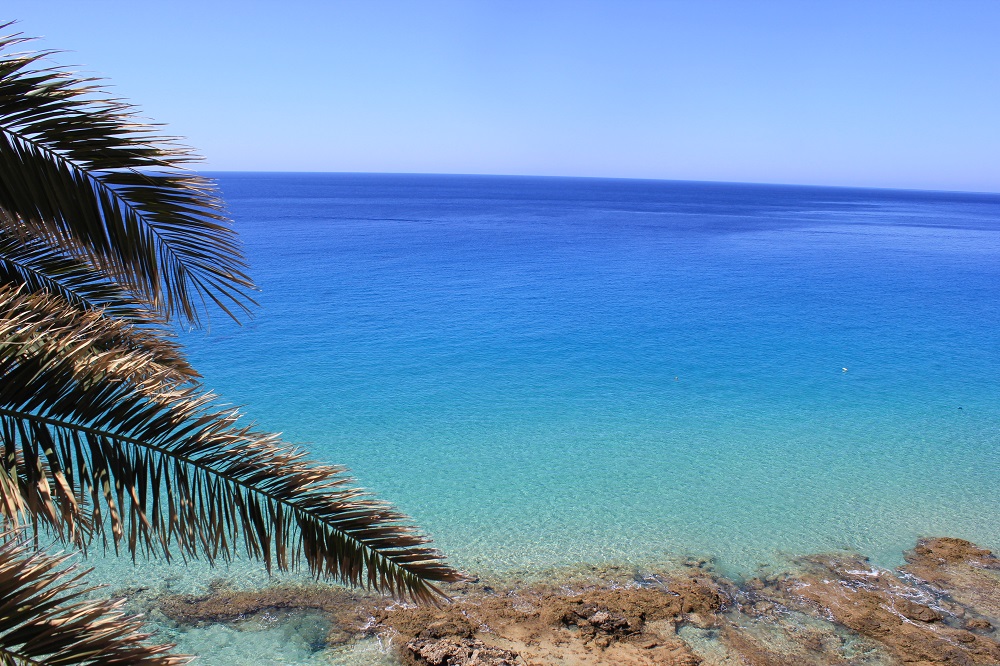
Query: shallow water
548, 371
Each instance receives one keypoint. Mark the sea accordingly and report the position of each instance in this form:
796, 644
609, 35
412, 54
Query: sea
549, 372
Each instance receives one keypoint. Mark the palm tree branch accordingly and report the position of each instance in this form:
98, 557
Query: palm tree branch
181, 264
166, 465
28, 265
45, 620
26, 258
80, 167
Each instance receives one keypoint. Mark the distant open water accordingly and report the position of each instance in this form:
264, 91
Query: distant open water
546, 371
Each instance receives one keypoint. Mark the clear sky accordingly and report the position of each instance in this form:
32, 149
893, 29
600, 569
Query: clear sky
893, 94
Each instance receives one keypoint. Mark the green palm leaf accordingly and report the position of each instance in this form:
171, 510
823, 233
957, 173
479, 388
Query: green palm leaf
46, 620
80, 168
161, 465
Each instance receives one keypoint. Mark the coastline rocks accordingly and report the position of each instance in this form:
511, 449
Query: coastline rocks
594, 622
942, 607
906, 618
970, 575
460, 652
600, 623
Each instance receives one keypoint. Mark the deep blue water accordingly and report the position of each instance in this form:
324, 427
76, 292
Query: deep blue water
544, 371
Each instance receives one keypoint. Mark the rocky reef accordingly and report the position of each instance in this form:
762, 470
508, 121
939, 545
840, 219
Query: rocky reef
942, 607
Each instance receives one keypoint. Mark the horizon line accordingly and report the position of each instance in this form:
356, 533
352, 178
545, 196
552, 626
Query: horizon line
661, 180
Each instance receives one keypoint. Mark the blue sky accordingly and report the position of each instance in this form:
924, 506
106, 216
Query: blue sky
886, 94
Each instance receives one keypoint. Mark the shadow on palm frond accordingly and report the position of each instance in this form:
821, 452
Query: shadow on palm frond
45, 617
26, 259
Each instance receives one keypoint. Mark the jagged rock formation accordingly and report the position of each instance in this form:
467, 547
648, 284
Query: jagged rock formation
942, 607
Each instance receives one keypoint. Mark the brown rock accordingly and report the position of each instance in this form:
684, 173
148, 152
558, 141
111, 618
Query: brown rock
450, 626
878, 605
460, 652
943, 551
970, 575
978, 624
918, 612
593, 621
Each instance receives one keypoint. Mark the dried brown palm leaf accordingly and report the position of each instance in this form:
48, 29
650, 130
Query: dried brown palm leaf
81, 168
46, 619
161, 465
163, 357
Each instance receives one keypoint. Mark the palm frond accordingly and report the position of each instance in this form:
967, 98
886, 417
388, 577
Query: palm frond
28, 260
81, 168
31, 265
161, 465
46, 619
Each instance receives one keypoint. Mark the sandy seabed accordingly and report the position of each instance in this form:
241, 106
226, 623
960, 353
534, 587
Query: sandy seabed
941, 607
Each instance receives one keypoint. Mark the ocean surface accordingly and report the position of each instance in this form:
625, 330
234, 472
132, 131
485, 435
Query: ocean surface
549, 371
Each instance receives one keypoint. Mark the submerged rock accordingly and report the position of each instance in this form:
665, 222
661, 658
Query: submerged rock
223, 604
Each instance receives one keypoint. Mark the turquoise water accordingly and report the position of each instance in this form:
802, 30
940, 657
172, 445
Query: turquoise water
548, 371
